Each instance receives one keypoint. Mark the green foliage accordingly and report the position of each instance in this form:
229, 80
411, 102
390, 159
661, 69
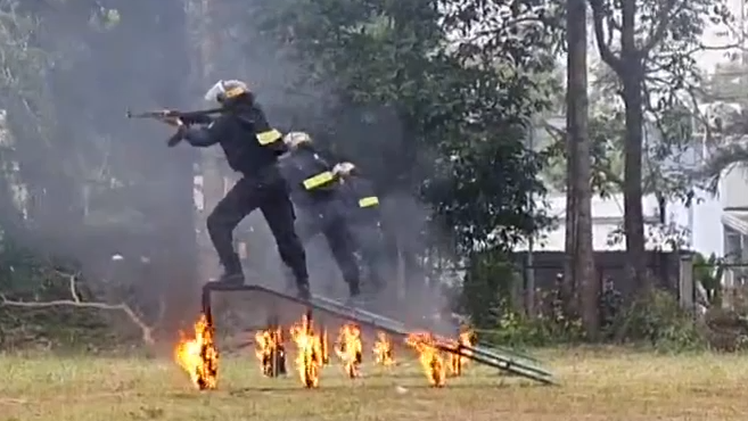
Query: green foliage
517, 330
708, 272
490, 299
488, 288
662, 63
654, 320
395, 62
485, 203
606, 133
27, 276
726, 93
658, 320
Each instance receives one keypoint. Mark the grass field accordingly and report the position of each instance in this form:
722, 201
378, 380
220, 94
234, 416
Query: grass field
601, 385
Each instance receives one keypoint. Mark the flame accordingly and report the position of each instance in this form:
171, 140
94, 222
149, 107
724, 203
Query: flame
325, 348
457, 362
199, 356
383, 352
350, 349
431, 361
309, 358
270, 351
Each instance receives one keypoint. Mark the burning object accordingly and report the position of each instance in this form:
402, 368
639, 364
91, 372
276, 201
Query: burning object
325, 348
429, 357
199, 356
270, 352
458, 360
309, 351
350, 349
383, 351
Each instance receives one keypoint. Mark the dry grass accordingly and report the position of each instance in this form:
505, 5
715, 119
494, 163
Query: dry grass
612, 385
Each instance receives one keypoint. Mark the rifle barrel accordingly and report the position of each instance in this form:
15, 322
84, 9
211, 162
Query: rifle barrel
175, 113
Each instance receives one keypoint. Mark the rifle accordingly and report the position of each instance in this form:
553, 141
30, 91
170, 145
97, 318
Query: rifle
185, 117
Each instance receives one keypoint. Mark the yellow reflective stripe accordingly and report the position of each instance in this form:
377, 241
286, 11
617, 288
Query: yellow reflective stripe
268, 137
318, 180
234, 92
368, 202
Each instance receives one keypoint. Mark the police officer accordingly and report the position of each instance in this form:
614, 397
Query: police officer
315, 191
252, 148
364, 217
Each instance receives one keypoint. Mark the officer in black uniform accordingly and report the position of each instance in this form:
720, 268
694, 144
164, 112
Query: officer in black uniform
315, 191
364, 218
252, 148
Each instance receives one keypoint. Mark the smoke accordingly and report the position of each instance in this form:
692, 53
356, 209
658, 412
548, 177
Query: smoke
110, 186
94, 184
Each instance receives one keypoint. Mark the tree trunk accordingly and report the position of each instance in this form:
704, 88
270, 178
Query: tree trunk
568, 286
577, 127
633, 220
633, 78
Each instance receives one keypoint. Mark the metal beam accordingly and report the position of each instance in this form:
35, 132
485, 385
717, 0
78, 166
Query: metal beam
505, 361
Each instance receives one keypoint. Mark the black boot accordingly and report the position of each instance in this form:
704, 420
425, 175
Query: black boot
302, 291
355, 299
232, 278
233, 274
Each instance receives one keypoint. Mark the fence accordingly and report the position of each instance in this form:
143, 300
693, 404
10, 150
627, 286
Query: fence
546, 268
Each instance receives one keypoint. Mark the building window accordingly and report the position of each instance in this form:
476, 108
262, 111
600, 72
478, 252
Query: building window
733, 245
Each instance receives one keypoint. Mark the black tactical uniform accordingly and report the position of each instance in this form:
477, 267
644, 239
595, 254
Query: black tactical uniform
364, 218
252, 148
315, 191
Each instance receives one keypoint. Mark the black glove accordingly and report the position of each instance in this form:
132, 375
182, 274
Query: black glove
177, 137
192, 119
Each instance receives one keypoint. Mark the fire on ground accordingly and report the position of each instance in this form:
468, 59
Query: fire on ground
198, 355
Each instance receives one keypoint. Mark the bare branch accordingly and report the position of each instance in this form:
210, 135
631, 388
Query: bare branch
733, 46
721, 159
663, 19
75, 301
72, 278
598, 16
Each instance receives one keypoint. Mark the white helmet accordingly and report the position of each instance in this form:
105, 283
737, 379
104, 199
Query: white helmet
343, 168
294, 139
226, 89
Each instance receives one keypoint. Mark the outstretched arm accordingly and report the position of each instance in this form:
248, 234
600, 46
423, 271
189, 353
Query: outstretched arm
196, 118
205, 136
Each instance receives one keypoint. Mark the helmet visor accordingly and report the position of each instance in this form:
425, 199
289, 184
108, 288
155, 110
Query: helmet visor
215, 92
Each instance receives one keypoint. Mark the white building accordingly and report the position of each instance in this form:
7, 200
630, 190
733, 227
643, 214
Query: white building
697, 228
733, 186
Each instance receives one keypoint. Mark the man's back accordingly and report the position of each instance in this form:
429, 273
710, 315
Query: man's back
308, 175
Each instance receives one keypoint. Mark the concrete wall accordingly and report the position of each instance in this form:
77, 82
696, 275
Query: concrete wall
733, 188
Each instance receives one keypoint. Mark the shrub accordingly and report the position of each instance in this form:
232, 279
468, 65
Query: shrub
657, 319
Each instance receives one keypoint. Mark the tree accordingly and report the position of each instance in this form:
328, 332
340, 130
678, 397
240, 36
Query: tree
429, 103
727, 94
92, 184
654, 64
580, 255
